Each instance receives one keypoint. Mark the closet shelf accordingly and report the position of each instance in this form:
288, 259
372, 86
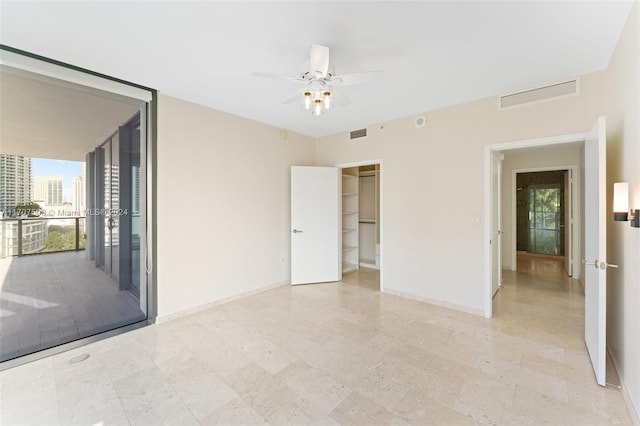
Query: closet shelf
350, 213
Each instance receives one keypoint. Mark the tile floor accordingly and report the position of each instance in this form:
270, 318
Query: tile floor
54, 298
334, 354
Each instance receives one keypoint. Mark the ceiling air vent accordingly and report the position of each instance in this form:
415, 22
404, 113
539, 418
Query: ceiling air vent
356, 134
539, 94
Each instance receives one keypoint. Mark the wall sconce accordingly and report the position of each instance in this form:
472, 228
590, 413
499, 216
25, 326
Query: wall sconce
621, 201
621, 210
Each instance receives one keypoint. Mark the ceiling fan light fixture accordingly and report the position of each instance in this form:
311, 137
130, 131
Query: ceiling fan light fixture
306, 102
317, 109
327, 99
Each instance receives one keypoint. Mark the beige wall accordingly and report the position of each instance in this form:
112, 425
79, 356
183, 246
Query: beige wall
521, 159
433, 183
237, 172
223, 208
623, 243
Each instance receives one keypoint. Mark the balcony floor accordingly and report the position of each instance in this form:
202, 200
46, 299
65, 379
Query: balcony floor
50, 299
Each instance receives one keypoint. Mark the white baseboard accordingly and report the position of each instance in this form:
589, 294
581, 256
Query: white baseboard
204, 307
441, 303
369, 265
633, 411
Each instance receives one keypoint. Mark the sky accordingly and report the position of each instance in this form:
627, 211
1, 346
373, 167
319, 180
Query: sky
67, 169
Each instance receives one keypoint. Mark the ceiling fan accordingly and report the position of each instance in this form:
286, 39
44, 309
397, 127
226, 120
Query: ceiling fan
320, 91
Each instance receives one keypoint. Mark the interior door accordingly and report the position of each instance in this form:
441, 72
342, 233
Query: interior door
568, 222
595, 316
496, 232
315, 225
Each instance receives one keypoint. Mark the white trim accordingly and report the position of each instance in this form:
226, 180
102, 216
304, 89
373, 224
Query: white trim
488, 150
369, 265
175, 315
48, 69
435, 302
635, 416
381, 218
575, 206
359, 163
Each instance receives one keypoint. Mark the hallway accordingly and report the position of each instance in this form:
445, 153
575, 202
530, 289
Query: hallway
540, 301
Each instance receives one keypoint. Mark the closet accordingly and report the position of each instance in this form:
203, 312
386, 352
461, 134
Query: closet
360, 217
368, 216
350, 217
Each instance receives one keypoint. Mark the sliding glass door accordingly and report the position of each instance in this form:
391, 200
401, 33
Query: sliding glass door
546, 219
73, 211
118, 192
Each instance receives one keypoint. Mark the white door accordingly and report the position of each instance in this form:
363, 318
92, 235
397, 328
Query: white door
567, 225
496, 230
595, 248
315, 225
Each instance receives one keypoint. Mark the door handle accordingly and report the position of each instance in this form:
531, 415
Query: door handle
297, 231
601, 265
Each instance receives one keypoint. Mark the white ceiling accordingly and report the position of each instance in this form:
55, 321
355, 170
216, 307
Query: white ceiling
49, 118
434, 54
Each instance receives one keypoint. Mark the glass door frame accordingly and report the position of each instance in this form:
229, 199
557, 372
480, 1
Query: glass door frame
148, 128
533, 246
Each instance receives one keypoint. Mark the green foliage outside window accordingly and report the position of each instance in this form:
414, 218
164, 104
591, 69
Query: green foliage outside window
544, 218
62, 238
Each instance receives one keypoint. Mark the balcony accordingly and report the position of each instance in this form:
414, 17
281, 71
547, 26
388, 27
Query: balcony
55, 298
32, 235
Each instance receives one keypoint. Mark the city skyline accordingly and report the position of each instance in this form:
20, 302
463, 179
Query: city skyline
65, 168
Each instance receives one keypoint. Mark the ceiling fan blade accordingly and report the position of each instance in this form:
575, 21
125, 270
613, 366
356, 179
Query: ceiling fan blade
319, 59
357, 78
339, 98
278, 76
296, 96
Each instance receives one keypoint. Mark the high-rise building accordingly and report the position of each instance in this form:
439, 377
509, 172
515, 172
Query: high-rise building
15, 182
79, 194
48, 189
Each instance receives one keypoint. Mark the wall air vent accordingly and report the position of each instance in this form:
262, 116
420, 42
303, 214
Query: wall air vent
539, 94
356, 134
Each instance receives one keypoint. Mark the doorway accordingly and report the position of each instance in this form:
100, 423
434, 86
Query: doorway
529, 156
362, 223
73, 302
545, 218
542, 213
592, 160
